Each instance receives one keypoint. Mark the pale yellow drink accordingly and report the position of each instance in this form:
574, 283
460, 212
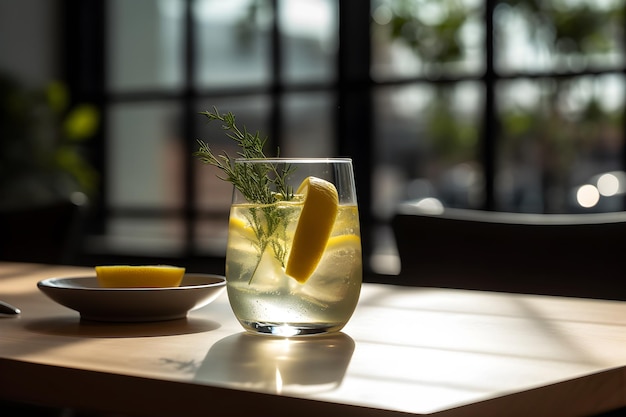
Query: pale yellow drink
264, 298
293, 259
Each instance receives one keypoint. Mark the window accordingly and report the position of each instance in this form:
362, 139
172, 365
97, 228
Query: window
505, 105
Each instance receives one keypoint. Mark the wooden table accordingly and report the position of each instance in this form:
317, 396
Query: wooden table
406, 351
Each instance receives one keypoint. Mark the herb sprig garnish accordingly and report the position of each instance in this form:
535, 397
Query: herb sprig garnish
259, 183
254, 181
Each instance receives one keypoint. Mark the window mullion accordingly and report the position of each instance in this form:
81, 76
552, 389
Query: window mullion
490, 119
354, 121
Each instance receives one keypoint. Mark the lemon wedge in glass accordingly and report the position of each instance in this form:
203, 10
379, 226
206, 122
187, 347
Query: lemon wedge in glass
145, 276
314, 227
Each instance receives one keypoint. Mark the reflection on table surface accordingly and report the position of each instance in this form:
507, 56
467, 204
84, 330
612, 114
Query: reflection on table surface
296, 366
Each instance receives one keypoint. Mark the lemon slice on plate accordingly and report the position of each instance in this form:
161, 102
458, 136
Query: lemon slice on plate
145, 276
316, 222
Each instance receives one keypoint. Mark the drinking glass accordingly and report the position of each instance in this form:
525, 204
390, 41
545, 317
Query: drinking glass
264, 298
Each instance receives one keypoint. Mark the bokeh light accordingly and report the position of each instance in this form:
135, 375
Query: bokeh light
587, 196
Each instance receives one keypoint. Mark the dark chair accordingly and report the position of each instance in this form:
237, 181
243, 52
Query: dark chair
43, 233
577, 255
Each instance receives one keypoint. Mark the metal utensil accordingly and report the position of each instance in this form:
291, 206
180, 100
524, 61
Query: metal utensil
8, 310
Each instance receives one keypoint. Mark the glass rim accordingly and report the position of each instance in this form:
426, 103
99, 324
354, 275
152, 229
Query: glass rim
294, 160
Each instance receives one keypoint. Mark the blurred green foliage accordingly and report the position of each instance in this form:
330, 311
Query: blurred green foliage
42, 147
434, 36
433, 30
570, 27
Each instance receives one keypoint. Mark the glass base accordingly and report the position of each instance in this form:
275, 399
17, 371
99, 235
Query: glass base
290, 329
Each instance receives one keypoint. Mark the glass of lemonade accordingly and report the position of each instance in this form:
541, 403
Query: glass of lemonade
293, 262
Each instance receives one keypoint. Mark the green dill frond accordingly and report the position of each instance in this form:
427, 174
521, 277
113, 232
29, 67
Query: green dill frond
254, 181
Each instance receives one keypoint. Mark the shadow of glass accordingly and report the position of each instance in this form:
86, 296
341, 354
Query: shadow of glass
278, 365
70, 326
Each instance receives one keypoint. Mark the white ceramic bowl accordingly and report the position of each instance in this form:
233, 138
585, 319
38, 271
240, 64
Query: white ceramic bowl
93, 302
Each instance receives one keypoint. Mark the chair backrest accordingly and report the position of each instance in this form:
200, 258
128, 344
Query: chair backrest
571, 255
44, 233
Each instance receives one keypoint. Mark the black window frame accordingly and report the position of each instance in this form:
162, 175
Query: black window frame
84, 67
